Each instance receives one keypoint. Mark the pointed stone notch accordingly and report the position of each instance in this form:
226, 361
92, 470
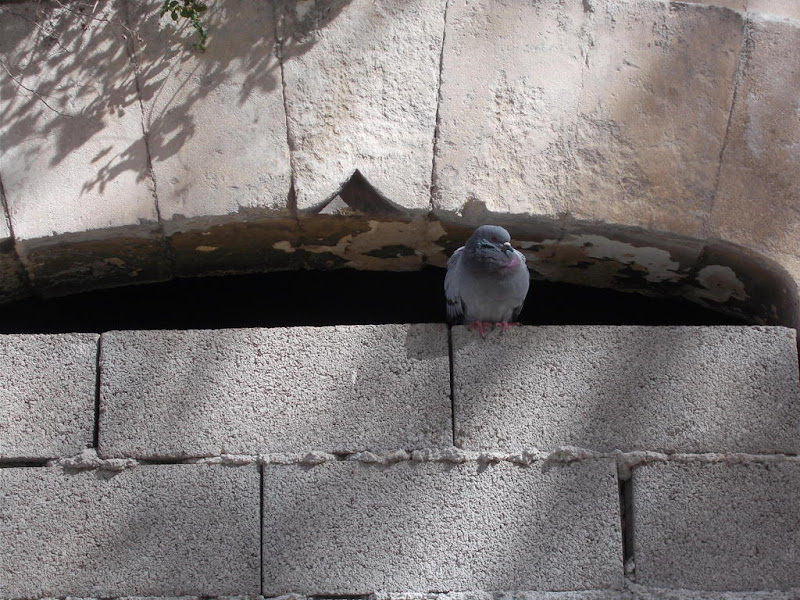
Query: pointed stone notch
357, 196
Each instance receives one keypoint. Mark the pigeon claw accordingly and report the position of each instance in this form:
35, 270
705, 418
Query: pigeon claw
505, 325
480, 325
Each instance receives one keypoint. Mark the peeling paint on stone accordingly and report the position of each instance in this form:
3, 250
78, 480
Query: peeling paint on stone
385, 245
589, 259
720, 284
393, 251
656, 264
284, 245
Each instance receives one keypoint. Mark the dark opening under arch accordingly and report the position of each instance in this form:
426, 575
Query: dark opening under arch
328, 298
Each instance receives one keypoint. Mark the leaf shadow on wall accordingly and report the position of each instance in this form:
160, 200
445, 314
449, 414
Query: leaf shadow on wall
73, 73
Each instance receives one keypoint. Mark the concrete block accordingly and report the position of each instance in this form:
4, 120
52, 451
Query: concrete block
167, 530
251, 391
47, 394
630, 591
74, 161
510, 595
653, 114
511, 81
756, 203
353, 528
670, 389
361, 94
717, 526
216, 126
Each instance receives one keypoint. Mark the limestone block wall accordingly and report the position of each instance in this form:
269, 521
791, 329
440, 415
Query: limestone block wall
401, 461
646, 145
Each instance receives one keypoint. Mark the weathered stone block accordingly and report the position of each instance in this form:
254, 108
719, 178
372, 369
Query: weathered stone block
155, 530
717, 526
511, 82
352, 528
251, 391
610, 111
653, 114
759, 184
361, 93
782, 9
74, 160
216, 127
47, 394
739, 5
670, 389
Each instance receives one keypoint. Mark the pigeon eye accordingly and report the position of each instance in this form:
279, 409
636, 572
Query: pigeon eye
483, 244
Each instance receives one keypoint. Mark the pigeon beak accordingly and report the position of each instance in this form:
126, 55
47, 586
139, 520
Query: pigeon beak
507, 248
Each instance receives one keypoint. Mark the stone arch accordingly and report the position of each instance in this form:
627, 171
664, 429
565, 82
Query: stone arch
647, 145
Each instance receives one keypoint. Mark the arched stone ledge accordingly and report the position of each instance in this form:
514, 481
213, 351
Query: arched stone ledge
714, 273
646, 145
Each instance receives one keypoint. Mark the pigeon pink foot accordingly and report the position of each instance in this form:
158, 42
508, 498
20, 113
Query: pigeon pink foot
479, 325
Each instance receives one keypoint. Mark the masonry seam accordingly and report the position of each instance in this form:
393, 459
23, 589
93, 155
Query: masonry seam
626, 526
26, 276
452, 384
434, 187
626, 461
168, 250
96, 432
737, 78
261, 528
6, 214
279, 22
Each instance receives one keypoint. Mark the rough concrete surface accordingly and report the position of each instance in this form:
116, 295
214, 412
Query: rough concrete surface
152, 530
215, 119
757, 200
361, 81
251, 391
351, 528
630, 591
668, 389
47, 394
717, 526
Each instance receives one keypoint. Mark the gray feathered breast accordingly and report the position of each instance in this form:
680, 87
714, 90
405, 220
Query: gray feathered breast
487, 280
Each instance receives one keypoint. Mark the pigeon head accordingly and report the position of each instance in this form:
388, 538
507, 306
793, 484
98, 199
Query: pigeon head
491, 246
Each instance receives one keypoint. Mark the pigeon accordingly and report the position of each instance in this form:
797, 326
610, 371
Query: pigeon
486, 281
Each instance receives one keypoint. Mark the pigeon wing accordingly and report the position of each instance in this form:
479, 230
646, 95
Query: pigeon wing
452, 287
521, 283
